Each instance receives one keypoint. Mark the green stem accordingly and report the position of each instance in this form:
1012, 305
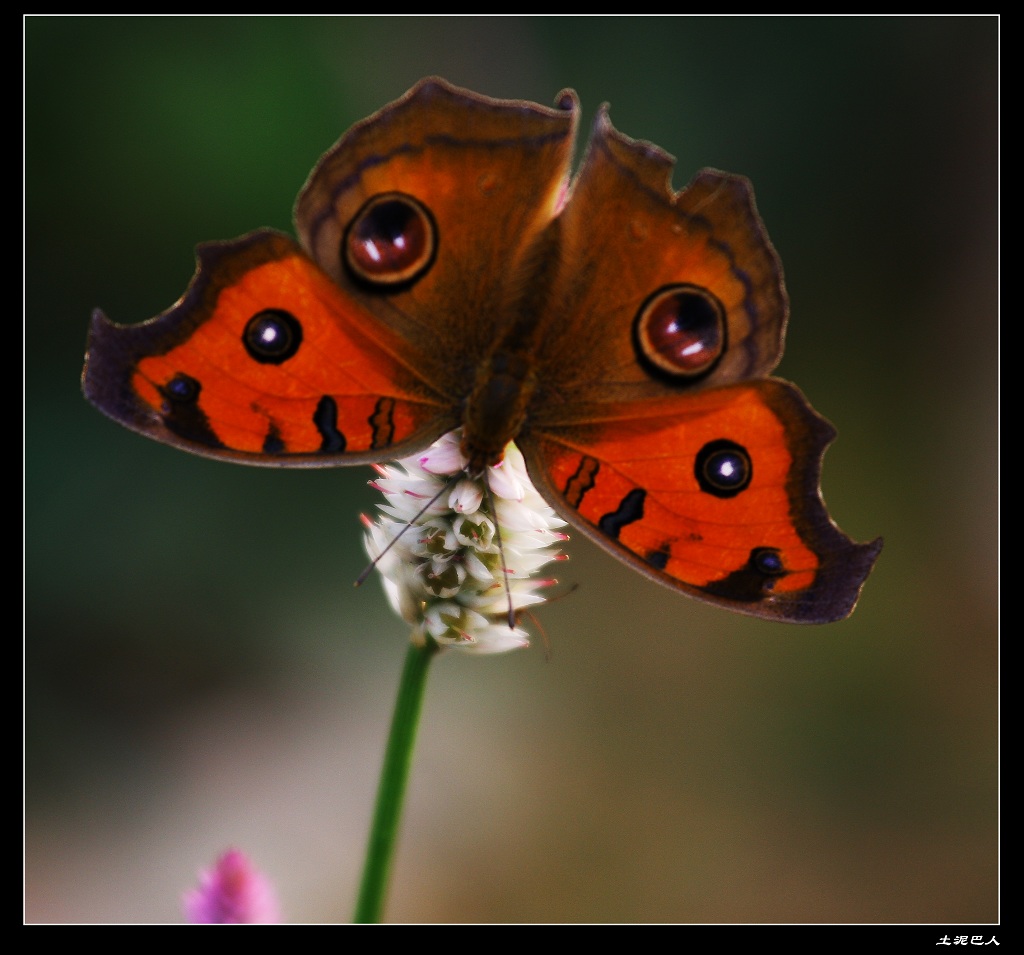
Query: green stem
393, 779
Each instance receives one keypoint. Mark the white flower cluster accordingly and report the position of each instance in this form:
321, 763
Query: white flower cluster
443, 574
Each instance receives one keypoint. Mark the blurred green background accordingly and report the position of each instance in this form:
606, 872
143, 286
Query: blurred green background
200, 672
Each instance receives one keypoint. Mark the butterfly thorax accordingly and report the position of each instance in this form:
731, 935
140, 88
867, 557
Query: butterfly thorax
506, 380
495, 409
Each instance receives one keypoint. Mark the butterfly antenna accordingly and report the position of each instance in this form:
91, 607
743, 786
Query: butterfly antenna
368, 569
501, 551
535, 620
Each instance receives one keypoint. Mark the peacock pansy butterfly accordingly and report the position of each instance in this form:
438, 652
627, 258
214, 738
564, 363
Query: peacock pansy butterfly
451, 274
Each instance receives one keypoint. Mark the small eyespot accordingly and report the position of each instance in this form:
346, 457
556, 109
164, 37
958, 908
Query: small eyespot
181, 389
723, 468
391, 241
272, 336
680, 333
768, 561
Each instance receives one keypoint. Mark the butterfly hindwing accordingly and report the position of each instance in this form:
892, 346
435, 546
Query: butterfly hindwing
265, 361
716, 495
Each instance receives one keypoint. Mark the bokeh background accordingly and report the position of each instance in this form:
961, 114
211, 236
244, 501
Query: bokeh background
200, 672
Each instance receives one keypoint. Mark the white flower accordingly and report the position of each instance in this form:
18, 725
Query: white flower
436, 546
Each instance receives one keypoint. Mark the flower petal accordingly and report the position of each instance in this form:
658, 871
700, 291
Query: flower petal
442, 568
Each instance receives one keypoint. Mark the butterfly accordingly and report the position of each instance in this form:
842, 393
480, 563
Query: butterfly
451, 273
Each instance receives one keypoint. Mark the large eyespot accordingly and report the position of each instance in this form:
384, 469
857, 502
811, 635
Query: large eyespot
272, 336
391, 241
723, 468
679, 332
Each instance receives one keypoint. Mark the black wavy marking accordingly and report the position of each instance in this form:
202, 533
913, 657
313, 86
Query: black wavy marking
630, 509
382, 422
582, 481
658, 559
273, 443
326, 420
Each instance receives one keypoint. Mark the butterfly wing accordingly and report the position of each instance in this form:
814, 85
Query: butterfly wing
716, 495
265, 361
482, 177
657, 433
363, 347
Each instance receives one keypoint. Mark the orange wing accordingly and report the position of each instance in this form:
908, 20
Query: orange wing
416, 224
655, 430
716, 494
264, 360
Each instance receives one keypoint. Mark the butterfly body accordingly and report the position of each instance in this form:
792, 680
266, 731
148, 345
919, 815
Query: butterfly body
451, 274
